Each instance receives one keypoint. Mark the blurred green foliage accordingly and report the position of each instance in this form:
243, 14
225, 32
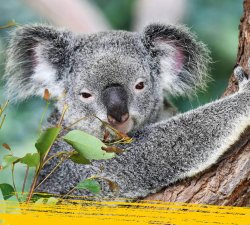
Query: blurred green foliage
215, 22
118, 13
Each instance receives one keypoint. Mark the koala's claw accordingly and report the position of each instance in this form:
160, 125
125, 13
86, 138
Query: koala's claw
240, 74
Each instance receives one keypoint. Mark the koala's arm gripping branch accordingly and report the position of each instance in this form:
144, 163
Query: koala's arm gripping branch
181, 147
227, 182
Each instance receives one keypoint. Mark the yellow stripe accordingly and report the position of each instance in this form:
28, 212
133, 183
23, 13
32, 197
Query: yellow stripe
147, 212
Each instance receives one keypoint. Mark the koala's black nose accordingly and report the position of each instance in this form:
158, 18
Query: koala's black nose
115, 99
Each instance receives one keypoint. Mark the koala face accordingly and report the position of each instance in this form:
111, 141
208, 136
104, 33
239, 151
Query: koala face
117, 76
113, 82
116, 89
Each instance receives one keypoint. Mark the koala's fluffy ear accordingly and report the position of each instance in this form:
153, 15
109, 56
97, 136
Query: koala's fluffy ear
37, 58
181, 59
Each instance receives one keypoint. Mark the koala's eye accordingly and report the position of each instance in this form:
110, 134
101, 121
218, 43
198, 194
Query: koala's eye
86, 95
139, 86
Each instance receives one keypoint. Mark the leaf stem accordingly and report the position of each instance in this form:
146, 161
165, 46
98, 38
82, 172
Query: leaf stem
52, 171
77, 121
69, 192
1, 112
3, 108
43, 115
25, 179
9, 24
2, 121
65, 108
32, 187
13, 181
55, 155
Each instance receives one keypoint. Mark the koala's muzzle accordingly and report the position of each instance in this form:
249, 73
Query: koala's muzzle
115, 99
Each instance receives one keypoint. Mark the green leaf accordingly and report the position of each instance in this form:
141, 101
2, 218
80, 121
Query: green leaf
46, 140
90, 185
7, 191
40, 201
37, 196
52, 201
23, 197
48, 201
77, 158
87, 145
9, 160
31, 160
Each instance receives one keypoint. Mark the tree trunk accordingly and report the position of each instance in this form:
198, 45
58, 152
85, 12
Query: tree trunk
227, 182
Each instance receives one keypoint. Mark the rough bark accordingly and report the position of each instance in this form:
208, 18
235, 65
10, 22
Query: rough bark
227, 182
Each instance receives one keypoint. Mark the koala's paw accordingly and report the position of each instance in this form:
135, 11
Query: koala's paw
241, 77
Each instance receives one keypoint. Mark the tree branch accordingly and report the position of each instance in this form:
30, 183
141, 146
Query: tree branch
227, 182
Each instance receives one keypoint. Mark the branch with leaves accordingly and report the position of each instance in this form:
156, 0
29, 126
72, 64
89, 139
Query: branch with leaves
85, 148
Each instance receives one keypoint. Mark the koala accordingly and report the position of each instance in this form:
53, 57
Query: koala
125, 78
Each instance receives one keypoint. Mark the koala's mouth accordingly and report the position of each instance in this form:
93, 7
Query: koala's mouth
125, 127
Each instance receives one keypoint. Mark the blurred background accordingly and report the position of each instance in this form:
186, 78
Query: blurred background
215, 22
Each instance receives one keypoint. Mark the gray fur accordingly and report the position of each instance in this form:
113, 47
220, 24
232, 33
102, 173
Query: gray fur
166, 41
168, 59
168, 151
21, 54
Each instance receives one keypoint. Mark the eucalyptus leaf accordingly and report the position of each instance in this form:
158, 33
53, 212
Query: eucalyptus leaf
90, 185
40, 201
87, 145
6, 146
9, 160
37, 196
52, 201
7, 191
31, 160
79, 159
46, 140
48, 201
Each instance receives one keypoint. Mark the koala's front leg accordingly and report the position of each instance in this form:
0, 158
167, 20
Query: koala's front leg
182, 146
